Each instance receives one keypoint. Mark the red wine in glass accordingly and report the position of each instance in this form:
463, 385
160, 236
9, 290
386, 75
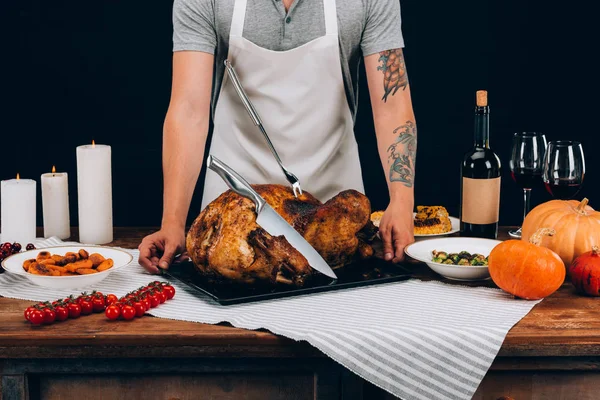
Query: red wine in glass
527, 178
527, 166
563, 189
564, 169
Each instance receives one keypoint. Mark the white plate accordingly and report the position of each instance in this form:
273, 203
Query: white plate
455, 228
14, 264
421, 251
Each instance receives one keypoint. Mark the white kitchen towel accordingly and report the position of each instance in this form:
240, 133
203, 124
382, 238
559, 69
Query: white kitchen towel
415, 339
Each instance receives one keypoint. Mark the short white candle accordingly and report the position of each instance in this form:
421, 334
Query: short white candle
94, 188
55, 204
18, 210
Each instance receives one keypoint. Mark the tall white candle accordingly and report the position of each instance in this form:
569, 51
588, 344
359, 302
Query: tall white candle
94, 188
55, 204
18, 210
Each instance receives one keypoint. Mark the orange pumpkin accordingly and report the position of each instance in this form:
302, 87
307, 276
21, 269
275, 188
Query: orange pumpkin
576, 224
525, 269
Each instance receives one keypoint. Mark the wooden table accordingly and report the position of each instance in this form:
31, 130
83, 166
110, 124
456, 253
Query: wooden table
553, 353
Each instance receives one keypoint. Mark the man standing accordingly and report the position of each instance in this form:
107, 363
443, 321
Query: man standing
298, 61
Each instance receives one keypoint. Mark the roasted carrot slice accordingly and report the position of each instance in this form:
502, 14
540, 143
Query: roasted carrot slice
86, 271
83, 264
48, 261
59, 260
43, 255
39, 269
106, 264
56, 268
97, 259
84, 255
68, 274
71, 257
27, 263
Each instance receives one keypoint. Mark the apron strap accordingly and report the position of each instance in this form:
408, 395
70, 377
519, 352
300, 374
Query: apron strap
239, 16
331, 23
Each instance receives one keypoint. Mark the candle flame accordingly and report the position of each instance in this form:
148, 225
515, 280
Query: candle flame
53, 169
93, 143
18, 176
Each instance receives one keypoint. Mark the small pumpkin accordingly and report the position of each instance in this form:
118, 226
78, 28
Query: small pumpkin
577, 227
585, 272
525, 269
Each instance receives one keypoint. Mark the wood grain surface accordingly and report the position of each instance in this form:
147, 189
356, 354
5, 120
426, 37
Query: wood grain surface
564, 324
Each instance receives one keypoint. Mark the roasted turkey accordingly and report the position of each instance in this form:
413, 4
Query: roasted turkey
228, 246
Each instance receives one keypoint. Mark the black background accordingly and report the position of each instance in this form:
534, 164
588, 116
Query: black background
73, 71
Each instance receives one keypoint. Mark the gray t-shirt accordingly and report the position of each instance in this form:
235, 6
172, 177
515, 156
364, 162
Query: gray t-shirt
365, 27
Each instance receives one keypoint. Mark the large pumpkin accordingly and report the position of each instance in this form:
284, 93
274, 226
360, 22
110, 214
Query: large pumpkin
585, 272
525, 269
576, 224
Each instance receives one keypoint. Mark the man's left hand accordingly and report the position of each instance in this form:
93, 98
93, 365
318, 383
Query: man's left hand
396, 230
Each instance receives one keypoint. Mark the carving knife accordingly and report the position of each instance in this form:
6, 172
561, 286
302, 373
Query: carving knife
268, 218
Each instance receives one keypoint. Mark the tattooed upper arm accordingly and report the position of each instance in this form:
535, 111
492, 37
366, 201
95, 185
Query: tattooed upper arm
402, 154
394, 71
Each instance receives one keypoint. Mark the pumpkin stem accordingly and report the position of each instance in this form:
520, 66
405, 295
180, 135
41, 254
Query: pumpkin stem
581, 207
595, 250
537, 237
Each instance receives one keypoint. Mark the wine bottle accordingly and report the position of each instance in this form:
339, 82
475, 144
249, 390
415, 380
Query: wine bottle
480, 179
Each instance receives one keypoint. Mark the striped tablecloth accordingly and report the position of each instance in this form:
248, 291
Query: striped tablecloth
415, 339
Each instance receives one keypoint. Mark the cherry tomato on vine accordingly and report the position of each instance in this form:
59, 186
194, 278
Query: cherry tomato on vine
110, 298
36, 317
49, 315
169, 291
128, 312
140, 309
62, 313
162, 297
74, 310
112, 312
28, 311
98, 304
83, 299
86, 307
154, 300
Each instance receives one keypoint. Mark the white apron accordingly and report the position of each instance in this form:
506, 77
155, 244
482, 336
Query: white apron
299, 94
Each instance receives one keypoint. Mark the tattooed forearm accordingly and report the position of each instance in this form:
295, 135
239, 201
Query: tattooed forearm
394, 72
402, 154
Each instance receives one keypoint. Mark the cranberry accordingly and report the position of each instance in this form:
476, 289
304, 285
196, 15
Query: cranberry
4, 253
30, 246
7, 246
16, 247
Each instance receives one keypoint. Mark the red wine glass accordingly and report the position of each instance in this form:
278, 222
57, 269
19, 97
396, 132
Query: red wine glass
564, 169
527, 166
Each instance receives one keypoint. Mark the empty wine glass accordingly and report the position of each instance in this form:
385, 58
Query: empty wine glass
564, 168
527, 166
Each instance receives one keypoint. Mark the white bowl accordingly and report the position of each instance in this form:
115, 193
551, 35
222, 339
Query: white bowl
14, 265
455, 228
421, 251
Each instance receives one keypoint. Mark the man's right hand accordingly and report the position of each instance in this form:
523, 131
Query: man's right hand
184, 137
159, 249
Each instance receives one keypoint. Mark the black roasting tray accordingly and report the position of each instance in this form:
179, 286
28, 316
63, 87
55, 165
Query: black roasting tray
370, 272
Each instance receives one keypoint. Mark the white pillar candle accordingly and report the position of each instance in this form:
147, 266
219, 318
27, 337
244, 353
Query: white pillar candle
55, 204
94, 188
18, 210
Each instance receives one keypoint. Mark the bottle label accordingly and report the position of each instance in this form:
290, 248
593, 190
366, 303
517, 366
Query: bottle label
480, 201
